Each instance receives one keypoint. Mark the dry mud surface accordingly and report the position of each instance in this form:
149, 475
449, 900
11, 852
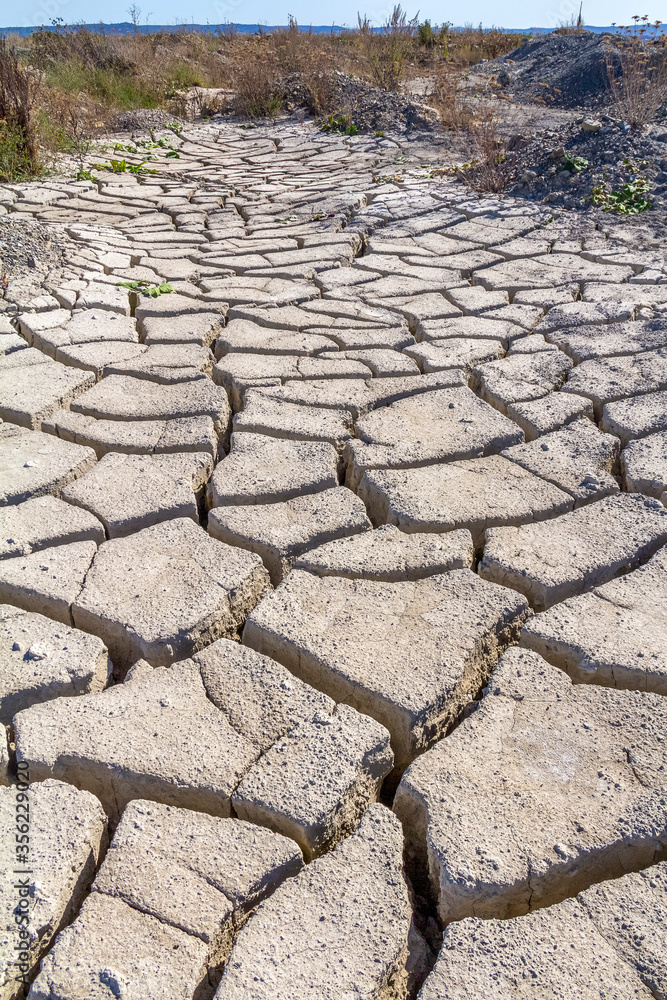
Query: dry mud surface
333, 587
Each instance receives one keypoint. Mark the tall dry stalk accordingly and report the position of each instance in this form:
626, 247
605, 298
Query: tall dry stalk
388, 51
636, 64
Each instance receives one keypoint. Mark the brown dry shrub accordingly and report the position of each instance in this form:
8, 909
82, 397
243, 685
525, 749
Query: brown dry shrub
387, 53
491, 172
68, 125
257, 83
312, 57
450, 101
636, 64
19, 91
321, 91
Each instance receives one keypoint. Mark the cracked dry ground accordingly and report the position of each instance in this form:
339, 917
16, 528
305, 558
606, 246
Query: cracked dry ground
334, 588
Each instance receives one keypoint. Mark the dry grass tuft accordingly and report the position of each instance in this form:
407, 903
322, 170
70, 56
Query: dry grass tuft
491, 169
575, 26
451, 100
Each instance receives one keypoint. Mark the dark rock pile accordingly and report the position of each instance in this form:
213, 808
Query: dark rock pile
563, 71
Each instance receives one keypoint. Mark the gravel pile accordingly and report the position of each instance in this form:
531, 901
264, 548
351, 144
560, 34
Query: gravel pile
369, 108
562, 71
27, 246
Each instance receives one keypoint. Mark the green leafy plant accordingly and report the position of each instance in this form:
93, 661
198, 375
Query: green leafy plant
173, 155
84, 175
113, 166
575, 164
339, 123
630, 198
164, 289
122, 166
145, 288
142, 144
145, 144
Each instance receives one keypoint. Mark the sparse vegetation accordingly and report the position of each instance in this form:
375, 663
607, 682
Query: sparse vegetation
387, 52
258, 86
574, 26
96, 74
450, 99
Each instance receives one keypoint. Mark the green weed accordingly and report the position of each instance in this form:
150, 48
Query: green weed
145, 288
339, 123
122, 166
630, 198
575, 164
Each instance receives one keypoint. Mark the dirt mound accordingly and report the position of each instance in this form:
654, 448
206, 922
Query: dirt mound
564, 71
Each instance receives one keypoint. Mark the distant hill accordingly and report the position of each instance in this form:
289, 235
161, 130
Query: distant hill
126, 28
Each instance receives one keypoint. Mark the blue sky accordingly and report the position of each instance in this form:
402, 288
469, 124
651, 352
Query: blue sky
515, 14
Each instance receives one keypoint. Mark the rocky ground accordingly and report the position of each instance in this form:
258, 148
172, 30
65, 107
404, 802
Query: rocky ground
334, 581
571, 137
28, 248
